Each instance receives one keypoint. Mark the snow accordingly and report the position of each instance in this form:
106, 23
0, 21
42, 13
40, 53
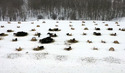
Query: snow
54, 59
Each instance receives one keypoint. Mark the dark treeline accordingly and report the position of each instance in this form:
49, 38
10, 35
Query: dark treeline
21, 10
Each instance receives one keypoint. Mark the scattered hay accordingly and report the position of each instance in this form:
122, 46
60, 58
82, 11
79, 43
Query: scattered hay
14, 55
61, 58
112, 60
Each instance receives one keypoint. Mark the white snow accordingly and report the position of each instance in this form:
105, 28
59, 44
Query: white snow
54, 59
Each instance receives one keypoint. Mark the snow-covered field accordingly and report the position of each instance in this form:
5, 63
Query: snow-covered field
54, 59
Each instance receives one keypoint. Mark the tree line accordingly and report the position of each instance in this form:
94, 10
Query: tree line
22, 10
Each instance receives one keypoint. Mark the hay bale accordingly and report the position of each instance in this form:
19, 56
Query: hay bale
18, 26
83, 21
44, 22
9, 22
106, 24
38, 26
10, 30
19, 49
19, 22
109, 28
32, 22
2, 26
111, 49
103, 41
3, 34
69, 34
97, 34
46, 40
21, 33
83, 24
113, 34
33, 29
54, 29
56, 25
86, 28
89, 41
72, 40
116, 42
116, 22
14, 40
68, 49
72, 28
33, 39
84, 33
97, 28
1, 38
38, 48
95, 48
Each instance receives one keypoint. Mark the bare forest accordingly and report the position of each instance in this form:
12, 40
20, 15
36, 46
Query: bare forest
22, 10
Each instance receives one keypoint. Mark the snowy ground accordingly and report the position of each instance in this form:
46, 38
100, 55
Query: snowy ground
54, 59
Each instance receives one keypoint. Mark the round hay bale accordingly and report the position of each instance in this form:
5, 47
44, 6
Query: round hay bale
38, 26
19, 49
111, 49
34, 39
72, 41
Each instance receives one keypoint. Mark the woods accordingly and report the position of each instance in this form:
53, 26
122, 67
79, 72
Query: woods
22, 10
